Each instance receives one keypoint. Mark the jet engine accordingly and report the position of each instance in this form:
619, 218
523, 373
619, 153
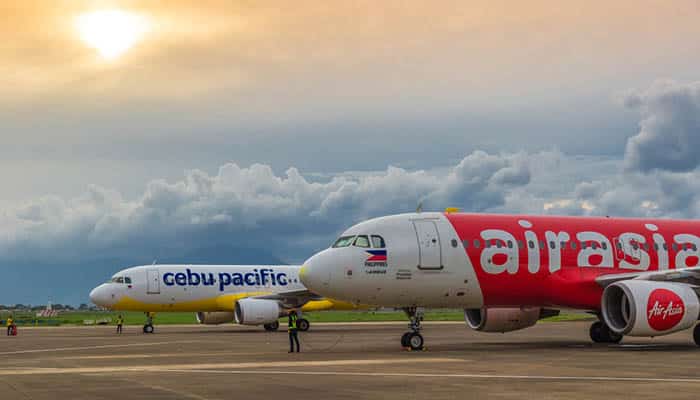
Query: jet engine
214, 318
647, 308
505, 319
256, 311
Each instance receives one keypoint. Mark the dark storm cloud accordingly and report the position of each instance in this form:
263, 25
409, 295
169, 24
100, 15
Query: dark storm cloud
669, 135
250, 207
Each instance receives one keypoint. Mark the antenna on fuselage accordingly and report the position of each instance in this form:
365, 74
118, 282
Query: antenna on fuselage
155, 261
419, 209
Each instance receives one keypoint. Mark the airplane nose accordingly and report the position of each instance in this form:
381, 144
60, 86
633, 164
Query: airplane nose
315, 274
100, 296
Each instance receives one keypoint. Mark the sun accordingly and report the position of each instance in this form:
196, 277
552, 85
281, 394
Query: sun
111, 32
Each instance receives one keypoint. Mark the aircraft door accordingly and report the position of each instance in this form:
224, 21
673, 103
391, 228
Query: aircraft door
429, 250
152, 281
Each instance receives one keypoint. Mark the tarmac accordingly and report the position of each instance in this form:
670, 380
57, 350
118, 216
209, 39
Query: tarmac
343, 361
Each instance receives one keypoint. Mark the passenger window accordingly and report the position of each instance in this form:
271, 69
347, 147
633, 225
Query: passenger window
378, 242
343, 241
552, 245
666, 246
477, 243
465, 243
542, 245
362, 241
498, 243
646, 246
604, 246
510, 244
521, 244
583, 245
531, 244
594, 245
573, 245
656, 246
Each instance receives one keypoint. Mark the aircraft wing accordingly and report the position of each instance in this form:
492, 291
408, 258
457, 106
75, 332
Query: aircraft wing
689, 276
293, 299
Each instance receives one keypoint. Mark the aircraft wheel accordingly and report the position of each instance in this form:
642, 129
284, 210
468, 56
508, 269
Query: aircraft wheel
148, 328
415, 341
272, 327
404, 339
303, 324
610, 336
696, 334
596, 332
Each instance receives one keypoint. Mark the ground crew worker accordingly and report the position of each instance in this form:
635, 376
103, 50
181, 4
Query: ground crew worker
10, 325
292, 329
120, 322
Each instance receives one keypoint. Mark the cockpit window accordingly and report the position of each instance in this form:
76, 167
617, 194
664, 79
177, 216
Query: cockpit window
127, 280
120, 279
378, 242
362, 241
343, 241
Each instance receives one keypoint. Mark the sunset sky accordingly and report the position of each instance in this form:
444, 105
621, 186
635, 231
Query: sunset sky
210, 131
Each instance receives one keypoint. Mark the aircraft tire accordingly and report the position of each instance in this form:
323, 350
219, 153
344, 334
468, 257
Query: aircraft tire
303, 324
148, 328
696, 334
415, 341
272, 327
404, 339
596, 332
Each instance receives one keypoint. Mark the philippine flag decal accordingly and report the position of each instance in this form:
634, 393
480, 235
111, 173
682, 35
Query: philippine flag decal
376, 258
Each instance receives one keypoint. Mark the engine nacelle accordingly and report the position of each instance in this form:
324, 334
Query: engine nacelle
502, 319
256, 311
646, 308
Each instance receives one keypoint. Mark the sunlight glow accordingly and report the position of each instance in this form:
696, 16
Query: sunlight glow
111, 32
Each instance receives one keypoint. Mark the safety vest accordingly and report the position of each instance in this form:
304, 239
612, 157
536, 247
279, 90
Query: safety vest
120, 321
293, 321
10, 321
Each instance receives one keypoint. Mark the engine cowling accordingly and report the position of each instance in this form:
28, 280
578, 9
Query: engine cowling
503, 319
646, 308
214, 318
256, 311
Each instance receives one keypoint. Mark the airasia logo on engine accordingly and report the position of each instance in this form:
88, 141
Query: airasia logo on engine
665, 309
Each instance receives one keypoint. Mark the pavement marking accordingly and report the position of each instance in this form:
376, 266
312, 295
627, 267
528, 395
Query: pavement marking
105, 346
214, 367
423, 375
160, 355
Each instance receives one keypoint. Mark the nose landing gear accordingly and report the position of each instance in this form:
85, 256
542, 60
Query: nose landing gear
413, 339
148, 326
601, 333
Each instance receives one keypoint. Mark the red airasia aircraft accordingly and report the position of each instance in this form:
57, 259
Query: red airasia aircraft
639, 276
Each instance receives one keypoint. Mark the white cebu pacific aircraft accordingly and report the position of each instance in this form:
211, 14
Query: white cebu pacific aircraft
246, 294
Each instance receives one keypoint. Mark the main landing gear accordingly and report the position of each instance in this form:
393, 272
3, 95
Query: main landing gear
696, 334
148, 326
303, 325
272, 327
413, 339
601, 333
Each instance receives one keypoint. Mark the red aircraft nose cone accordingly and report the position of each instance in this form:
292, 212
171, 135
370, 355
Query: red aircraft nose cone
665, 309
